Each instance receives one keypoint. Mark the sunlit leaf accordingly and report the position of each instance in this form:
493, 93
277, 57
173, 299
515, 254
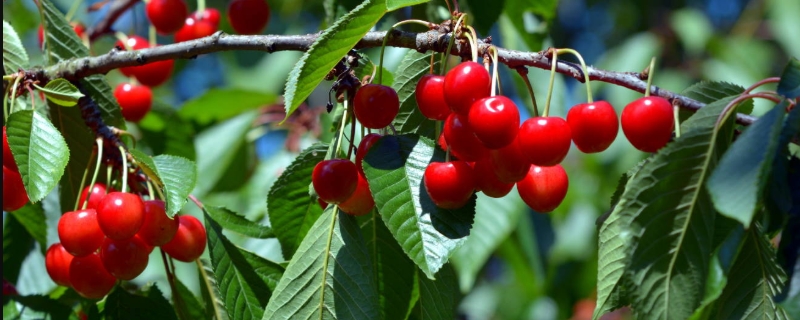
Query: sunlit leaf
392, 5
409, 120
230, 220
61, 92
14, 55
39, 151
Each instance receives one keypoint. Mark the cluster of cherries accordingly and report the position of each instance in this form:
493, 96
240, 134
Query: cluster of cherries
112, 238
14, 194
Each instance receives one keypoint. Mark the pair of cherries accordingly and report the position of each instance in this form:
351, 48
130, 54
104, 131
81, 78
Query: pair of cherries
342, 182
171, 16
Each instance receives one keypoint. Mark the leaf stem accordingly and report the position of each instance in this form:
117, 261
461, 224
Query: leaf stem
761, 83
650, 71
583, 68
196, 202
554, 63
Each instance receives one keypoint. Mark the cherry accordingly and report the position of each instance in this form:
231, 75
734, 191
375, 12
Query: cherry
495, 121
442, 142
648, 123
14, 195
79, 232
248, 16
8, 157
322, 204
593, 126
134, 100
487, 181
135, 43
98, 191
157, 228
89, 277
124, 259
376, 105
335, 180
198, 25
361, 202
57, 261
363, 148
189, 241
120, 215
430, 97
449, 184
461, 139
544, 188
465, 84
167, 16
210, 14
509, 163
156, 73
545, 140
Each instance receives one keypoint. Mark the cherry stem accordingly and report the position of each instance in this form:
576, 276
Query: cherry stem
14, 95
124, 187
340, 136
495, 78
552, 81
151, 36
5, 103
352, 136
83, 179
650, 76
99, 142
386, 40
675, 115
472, 36
73, 9
583, 68
761, 83
451, 42
150, 190
523, 72
432, 62
201, 5
196, 202
446, 2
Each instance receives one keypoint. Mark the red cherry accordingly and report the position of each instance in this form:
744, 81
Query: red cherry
363, 148
322, 204
195, 28
57, 261
648, 123
189, 242
120, 215
442, 142
155, 73
545, 140
376, 105
134, 100
449, 184
361, 202
593, 126
335, 180
99, 191
430, 97
135, 43
509, 163
466, 83
8, 157
487, 182
461, 139
79, 29
79, 232
89, 277
544, 188
124, 259
14, 194
248, 16
209, 14
157, 228
167, 16
495, 121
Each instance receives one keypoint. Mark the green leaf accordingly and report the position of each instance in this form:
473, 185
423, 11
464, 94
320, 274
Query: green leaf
80, 142
209, 289
208, 108
531, 19
121, 304
176, 175
737, 184
17, 243
43, 303
14, 56
218, 145
39, 150
730, 235
710, 91
485, 14
438, 298
291, 210
409, 120
61, 92
32, 218
330, 276
789, 86
428, 234
246, 281
176, 139
366, 67
392, 5
186, 304
230, 220
330, 47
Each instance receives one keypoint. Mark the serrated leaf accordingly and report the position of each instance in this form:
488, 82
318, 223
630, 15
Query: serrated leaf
330, 276
409, 120
291, 210
789, 86
729, 234
209, 290
39, 150
176, 175
710, 91
17, 243
121, 304
230, 220
428, 234
186, 304
246, 280
45, 304
392, 5
438, 298
485, 14
32, 218
206, 108
531, 18
61, 92
328, 49
15, 57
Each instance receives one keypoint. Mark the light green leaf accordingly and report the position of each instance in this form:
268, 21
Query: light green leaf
121, 304
39, 150
209, 290
14, 56
438, 298
789, 86
218, 145
409, 120
335, 271
186, 304
428, 234
222, 104
330, 47
32, 218
392, 5
230, 220
176, 175
61, 92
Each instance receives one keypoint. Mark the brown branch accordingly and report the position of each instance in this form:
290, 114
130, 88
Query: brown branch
117, 8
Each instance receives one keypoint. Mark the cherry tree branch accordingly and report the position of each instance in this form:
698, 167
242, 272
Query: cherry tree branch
116, 8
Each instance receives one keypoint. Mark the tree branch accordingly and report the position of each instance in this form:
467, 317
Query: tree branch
432, 40
117, 8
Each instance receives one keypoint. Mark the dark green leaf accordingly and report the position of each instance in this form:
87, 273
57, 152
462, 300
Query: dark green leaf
409, 120
428, 234
32, 218
61, 92
328, 49
710, 91
14, 56
222, 104
17, 243
531, 19
80, 141
438, 298
209, 289
330, 276
230, 220
730, 235
42, 303
121, 304
175, 139
39, 150
186, 304
291, 209
789, 86
485, 14
218, 145
366, 67
392, 5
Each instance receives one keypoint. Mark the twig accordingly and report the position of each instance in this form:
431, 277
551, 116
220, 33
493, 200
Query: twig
103, 27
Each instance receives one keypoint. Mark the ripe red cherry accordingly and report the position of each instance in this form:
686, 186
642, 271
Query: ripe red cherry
134, 100
363, 148
544, 188
8, 157
210, 14
248, 16
135, 43
545, 140
487, 182
648, 123
495, 121
430, 97
14, 195
442, 142
465, 84
79, 232
509, 163
89, 277
189, 242
593, 126
57, 261
124, 259
361, 202
376, 105
198, 25
120, 215
167, 16
461, 139
154, 74
335, 180
99, 191
449, 184
157, 228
